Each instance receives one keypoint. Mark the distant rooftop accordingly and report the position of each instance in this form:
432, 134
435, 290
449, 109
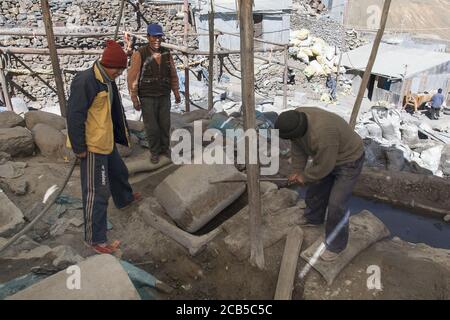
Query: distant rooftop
392, 60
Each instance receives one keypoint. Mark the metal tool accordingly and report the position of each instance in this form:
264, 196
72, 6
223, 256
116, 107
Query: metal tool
245, 180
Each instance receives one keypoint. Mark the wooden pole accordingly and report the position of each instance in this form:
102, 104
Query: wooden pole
248, 100
119, 19
185, 57
54, 56
370, 63
14, 50
4, 84
285, 80
211, 55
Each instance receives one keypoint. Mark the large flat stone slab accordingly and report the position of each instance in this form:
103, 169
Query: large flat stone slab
102, 278
191, 201
11, 217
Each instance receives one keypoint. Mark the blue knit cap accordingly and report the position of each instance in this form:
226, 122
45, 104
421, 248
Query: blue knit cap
154, 29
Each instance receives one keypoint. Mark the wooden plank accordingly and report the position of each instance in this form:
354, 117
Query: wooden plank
4, 85
286, 277
211, 56
14, 50
370, 63
119, 19
185, 57
248, 100
54, 56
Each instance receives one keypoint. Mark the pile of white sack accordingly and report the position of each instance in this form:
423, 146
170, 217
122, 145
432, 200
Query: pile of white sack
392, 141
321, 58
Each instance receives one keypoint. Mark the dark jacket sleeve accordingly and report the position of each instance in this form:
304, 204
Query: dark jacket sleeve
82, 93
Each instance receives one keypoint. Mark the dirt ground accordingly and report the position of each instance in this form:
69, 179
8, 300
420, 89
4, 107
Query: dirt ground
215, 273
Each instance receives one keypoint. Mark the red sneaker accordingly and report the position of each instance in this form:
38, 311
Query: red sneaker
107, 248
137, 196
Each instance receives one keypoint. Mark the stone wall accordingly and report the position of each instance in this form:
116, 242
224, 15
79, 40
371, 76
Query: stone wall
81, 16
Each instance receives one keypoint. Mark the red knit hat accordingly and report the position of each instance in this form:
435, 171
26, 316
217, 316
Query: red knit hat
114, 56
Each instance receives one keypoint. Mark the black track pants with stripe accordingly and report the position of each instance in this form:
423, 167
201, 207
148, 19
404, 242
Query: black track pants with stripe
102, 176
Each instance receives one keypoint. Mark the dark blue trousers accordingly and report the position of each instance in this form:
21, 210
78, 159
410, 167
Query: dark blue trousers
102, 176
333, 192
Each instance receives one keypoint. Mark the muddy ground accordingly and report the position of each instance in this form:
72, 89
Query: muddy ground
407, 271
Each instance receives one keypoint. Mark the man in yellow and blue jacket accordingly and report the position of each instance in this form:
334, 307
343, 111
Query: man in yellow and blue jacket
96, 122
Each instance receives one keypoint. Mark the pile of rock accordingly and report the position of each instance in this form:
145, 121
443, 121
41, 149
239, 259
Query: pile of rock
323, 26
46, 131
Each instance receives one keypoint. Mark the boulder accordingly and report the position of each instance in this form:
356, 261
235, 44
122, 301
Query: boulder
16, 141
11, 218
50, 142
191, 201
101, 277
32, 118
9, 119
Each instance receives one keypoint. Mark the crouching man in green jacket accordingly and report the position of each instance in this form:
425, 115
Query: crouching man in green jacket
337, 154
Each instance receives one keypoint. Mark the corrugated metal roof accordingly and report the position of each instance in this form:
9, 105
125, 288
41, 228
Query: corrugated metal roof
392, 60
229, 6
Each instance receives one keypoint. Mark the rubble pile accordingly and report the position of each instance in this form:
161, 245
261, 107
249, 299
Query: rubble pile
322, 26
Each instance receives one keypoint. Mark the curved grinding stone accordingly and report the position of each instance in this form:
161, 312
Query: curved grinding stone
191, 201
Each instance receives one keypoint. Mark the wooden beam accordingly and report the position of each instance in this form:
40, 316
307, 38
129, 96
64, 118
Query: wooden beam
248, 100
14, 50
286, 277
5, 91
370, 63
19, 88
119, 19
211, 55
54, 56
34, 73
185, 57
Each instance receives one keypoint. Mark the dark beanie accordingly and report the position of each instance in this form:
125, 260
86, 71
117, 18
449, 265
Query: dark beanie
114, 56
292, 124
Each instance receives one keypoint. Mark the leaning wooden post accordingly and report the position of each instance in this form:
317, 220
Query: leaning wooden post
248, 100
370, 63
4, 84
119, 19
285, 80
54, 56
211, 56
185, 56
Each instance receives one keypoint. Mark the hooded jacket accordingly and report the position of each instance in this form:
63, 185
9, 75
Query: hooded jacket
95, 116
